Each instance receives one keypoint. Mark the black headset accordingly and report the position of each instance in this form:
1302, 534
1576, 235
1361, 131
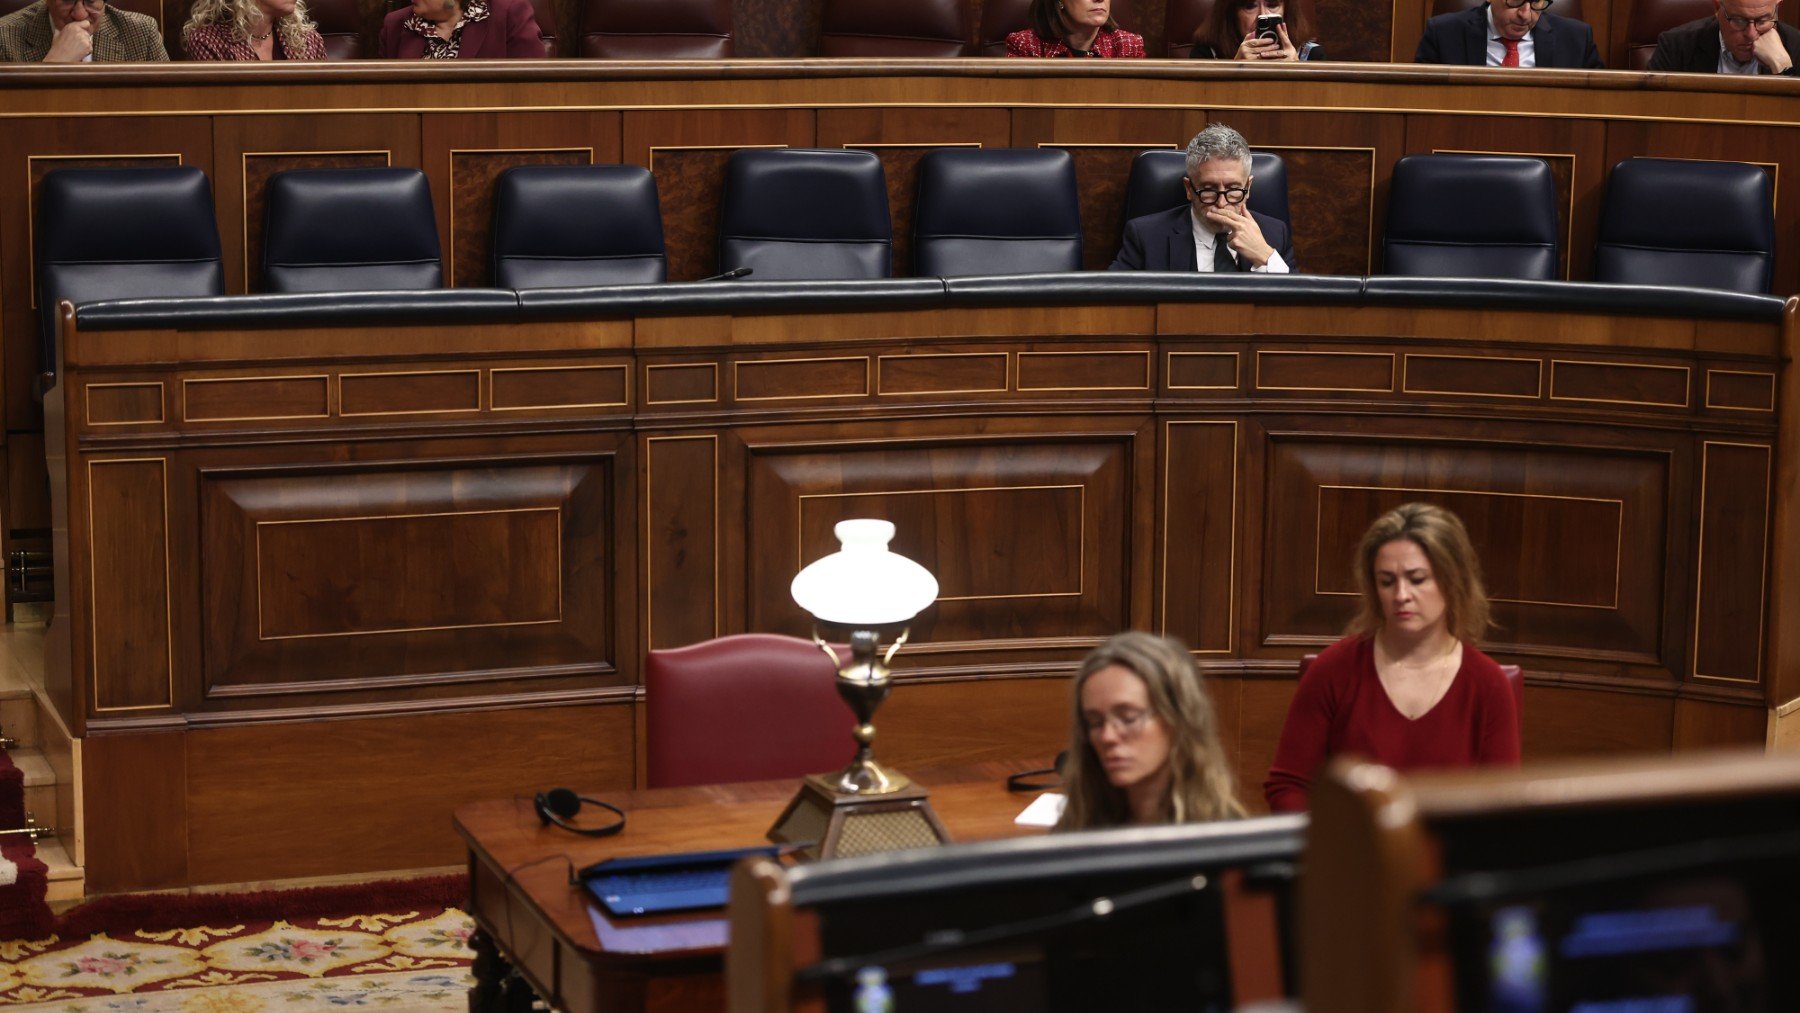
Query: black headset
560, 805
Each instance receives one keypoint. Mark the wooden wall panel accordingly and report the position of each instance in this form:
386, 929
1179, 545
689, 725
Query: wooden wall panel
681, 540
129, 581
1732, 592
1571, 541
1565, 722
1704, 724
136, 811
1198, 585
287, 800
1350, 30
929, 724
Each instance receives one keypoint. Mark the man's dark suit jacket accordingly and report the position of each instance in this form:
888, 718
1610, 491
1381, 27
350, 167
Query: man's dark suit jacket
1693, 48
1461, 39
1164, 241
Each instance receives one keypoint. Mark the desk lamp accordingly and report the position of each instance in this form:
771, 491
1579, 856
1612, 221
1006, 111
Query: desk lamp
861, 593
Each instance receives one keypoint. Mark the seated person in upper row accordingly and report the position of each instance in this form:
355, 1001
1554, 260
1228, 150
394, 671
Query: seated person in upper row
1509, 33
1073, 28
79, 31
1144, 748
251, 30
461, 30
1215, 230
1742, 37
1234, 22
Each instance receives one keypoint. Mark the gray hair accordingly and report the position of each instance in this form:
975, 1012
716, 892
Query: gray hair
1217, 141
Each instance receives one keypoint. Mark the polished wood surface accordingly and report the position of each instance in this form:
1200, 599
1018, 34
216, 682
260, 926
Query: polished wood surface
579, 958
1197, 468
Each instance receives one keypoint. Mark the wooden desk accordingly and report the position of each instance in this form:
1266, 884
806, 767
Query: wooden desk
577, 958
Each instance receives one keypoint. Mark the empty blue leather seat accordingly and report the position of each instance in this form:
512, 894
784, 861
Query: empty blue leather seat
1155, 184
1472, 216
996, 211
569, 226
1677, 222
125, 233
350, 230
799, 214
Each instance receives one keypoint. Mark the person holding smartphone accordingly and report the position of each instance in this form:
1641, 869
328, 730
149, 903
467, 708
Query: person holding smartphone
1260, 30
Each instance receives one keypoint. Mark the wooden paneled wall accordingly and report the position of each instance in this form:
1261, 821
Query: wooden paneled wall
325, 583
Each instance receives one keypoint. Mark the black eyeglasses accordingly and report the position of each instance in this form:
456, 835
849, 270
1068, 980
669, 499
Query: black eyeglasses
1230, 195
1536, 5
93, 6
1741, 23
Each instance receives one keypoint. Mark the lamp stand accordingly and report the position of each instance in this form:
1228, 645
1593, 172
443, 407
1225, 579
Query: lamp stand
866, 807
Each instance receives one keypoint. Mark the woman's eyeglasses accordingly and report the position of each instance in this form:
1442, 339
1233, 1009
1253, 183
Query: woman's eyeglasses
1129, 723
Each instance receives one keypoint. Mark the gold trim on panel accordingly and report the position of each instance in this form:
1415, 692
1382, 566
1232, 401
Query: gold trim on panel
94, 583
737, 395
1232, 595
1005, 371
1574, 168
1738, 372
1374, 160
250, 280
1237, 370
87, 404
649, 585
626, 370
1145, 352
1389, 389
682, 365
1618, 549
1157, 145
1700, 564
480, 391
1687, 391
905, 144
31, 206
1080, 528
1407, 358
450, 174
259, 525
257, 418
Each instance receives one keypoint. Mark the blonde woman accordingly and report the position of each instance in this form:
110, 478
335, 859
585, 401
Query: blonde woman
251, 30
1144, 745
1406, 687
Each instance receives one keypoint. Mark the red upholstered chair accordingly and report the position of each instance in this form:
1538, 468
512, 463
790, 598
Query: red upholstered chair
749, 707
1650, 18
885, 28
1515, 678
656, 29
340, 24
1184, 18
1000, 18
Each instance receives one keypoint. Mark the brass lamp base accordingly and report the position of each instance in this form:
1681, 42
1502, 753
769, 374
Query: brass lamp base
845, 825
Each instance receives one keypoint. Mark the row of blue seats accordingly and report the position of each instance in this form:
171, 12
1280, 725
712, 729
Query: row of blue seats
790, 214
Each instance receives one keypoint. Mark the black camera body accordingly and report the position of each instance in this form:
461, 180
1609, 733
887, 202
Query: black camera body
1266, 25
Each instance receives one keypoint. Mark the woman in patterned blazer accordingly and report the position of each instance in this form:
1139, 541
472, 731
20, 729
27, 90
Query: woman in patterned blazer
251, 30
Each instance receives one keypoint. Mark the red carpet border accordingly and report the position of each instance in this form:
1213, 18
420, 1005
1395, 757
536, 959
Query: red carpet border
23, 878
160, 912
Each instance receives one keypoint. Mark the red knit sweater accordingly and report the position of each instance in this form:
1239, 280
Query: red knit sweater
1340, 707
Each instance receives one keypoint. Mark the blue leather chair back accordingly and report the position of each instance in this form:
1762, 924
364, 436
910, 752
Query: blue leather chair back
566, 226
799, 214
1472, 216
350, 230
1700, 224
998, 211
123, 234
1155, 184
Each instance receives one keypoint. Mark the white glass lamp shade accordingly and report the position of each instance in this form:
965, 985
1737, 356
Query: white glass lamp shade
863, 584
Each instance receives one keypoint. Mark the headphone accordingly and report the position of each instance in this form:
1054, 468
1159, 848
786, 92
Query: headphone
560, 805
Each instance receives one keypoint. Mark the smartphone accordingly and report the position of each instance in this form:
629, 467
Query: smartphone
1265, 27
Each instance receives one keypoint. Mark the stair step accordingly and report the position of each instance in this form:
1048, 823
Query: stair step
67, 881
32, 764
18, 717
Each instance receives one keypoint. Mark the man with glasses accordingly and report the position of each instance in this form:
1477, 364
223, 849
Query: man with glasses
1215, 230
79, 31
1509, 33
1742, 37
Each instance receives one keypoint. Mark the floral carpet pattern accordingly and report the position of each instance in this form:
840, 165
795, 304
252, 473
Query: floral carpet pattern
415, 960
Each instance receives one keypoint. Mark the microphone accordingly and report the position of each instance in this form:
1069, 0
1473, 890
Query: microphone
731, 275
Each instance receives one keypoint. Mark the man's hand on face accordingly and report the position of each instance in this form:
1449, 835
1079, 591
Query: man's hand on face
1771, 53
1246, 237
73, 42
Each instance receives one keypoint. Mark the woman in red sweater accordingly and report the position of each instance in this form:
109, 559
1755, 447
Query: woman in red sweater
1073, 28
1406, 688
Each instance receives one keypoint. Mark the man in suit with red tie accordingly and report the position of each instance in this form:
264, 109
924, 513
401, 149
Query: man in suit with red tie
1215, 231
1509, 33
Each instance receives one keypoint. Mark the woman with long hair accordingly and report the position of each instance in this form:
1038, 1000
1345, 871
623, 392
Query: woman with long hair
1073, 28
1144, 744
251, 30
1407, 686
1229, 33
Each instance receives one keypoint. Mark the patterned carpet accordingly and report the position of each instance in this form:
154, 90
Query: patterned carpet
417, 960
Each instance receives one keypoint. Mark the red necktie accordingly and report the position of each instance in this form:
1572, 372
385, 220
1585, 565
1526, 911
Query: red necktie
1512, 52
